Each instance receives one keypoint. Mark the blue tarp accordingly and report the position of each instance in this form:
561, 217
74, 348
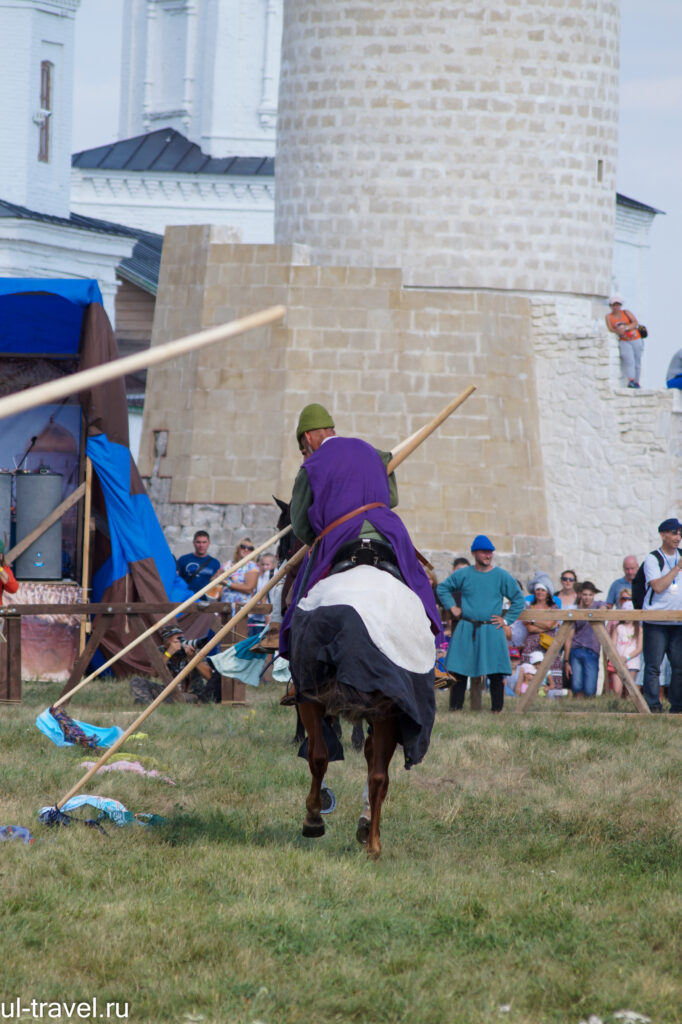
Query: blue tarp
46, 324
134, 530
132, 558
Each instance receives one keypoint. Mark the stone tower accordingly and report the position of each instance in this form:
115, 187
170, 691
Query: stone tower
473, 145
445, 180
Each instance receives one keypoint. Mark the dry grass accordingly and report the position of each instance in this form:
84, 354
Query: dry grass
531, 862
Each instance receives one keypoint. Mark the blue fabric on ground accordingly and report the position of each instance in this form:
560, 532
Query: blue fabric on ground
9, 832
113, 809
50, 727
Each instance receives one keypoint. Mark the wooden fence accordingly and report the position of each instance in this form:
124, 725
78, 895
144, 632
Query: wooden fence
596, 617
140, 615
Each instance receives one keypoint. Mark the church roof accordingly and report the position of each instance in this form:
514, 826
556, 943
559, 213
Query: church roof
168, 150
140, 268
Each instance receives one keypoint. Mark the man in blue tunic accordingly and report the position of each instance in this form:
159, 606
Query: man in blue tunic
478, 646
372, 628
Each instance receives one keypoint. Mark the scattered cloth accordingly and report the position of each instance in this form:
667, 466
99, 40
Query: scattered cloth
129, 766
240, 662
145, 761
114, 810
91, 735
9, 832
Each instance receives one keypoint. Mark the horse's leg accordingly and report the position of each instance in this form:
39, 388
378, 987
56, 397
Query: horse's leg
385, 737
362, 833
318, 759
299, 735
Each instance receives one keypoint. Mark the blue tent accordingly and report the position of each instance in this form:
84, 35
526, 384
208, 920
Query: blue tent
65, 319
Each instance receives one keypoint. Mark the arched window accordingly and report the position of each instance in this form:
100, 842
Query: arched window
45, 110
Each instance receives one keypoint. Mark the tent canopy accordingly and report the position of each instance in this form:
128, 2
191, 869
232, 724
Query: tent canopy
43, 316
131, 560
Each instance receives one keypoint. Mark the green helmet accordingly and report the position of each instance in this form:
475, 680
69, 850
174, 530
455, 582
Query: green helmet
313, 417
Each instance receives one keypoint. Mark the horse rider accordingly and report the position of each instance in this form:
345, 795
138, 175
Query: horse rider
341, 506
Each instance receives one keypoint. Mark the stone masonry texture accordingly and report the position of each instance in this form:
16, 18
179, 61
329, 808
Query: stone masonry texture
546, 451
473, 145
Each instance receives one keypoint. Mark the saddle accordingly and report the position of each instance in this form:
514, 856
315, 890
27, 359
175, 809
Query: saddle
366, 551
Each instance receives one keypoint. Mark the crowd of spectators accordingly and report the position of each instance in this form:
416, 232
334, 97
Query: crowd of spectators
490, 646
650, 651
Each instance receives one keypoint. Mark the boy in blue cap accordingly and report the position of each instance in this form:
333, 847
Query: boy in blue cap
479, 646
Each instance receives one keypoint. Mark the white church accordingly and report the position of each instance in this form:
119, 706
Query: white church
197, 141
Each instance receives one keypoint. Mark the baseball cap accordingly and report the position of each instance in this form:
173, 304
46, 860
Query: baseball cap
669, 524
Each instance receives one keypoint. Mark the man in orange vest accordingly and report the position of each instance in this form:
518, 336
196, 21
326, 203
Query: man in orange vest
624, 325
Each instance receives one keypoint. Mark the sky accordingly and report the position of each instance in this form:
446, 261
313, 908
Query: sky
650, 149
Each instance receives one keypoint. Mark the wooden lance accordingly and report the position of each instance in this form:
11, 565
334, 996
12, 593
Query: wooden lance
55, 390
406, 450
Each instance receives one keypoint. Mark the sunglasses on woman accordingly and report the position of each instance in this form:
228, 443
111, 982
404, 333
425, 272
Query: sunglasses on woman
246, 547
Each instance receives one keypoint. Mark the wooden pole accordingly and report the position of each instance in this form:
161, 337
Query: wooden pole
544, 666
407, 447
611, 652
47, 522
173, 614
256, 599
55, 390
404, 449
85, 569
199, 656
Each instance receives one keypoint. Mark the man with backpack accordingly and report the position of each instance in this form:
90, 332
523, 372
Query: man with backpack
661, 571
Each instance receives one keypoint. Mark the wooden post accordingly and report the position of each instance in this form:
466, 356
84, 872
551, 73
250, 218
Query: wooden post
85, 573
10, 661
191, 664
611, 652
169, 617
544, 666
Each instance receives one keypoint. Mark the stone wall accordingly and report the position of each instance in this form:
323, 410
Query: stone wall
550, 456
474, 145
384, 358
612, 456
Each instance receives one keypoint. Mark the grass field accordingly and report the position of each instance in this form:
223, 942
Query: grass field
532, 873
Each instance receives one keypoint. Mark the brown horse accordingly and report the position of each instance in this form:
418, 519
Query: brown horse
380, 746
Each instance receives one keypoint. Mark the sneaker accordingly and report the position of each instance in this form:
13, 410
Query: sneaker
633, 384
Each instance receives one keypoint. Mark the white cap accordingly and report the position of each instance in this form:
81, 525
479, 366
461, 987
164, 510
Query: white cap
616, 298
536, 657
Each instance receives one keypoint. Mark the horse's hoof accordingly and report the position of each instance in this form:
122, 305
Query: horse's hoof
362, 833
373, 854
312, 829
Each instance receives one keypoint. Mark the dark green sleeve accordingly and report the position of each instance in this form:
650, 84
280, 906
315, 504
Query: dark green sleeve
301, 500
392, 482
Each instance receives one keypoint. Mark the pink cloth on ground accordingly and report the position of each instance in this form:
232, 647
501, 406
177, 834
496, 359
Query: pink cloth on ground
129, 766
